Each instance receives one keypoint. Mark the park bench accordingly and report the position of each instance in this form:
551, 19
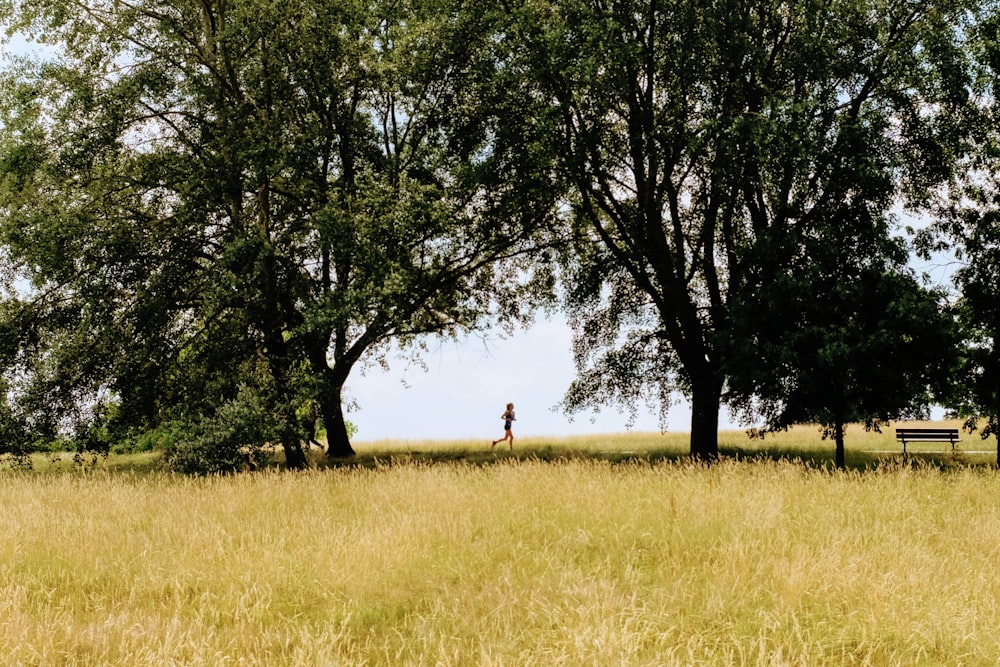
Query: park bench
906, 435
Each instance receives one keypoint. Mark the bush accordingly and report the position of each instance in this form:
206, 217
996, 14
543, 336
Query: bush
236, 436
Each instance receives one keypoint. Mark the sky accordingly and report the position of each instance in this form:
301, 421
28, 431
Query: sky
467, 384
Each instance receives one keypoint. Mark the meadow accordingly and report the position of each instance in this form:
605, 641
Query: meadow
606, 550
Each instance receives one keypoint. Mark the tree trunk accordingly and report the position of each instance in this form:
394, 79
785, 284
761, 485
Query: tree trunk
332, 407
295, 456
838, 439
330, 398
994, 422
291, 442
705, 401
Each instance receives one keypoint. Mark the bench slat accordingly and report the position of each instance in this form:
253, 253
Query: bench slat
926, 430
927, 435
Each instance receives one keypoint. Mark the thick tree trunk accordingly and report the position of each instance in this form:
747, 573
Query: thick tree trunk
332, 407
330, 399
705, 403
838, 439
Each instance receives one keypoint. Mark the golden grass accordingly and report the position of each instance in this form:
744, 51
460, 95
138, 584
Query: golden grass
519, 562
864, 449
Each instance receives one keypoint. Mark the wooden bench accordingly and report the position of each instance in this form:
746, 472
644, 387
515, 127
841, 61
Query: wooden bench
906, 435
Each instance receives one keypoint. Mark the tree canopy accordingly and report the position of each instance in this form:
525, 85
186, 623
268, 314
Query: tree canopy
866, 343
699, 137
215, 200
213, 212
967, 228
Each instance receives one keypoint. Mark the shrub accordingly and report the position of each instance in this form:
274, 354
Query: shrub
235, 436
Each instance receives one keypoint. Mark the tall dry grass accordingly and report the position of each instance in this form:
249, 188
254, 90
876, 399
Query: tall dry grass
520, 562
864, 448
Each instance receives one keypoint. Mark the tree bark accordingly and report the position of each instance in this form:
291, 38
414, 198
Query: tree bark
705, 403
332, 407
996, 432
838, 439
331, 398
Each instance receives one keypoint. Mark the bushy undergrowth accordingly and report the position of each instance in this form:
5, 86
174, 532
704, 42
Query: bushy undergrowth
235, 437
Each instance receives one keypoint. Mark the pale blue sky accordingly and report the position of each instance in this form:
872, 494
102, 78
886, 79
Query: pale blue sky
467, 384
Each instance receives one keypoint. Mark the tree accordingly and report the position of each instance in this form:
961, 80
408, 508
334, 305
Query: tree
694, 134
835, 327
864, 342
973, 226
977, 389
242, 201
969, 227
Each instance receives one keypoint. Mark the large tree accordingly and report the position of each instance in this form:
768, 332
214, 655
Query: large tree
695, 132
231, 196
835, 326
976, 396
967, 234
847, 335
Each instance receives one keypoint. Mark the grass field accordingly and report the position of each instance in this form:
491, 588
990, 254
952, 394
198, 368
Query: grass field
596, 551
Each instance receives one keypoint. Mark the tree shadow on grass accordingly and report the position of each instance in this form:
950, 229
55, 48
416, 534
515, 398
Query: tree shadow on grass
429, 455
865, 460
557, 454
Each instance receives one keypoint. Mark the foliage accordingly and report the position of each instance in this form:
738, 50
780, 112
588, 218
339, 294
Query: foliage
212, 213
968, 228
834, 327
696, 135
868, 347
162, 438
218, 195
235, 438
976, 393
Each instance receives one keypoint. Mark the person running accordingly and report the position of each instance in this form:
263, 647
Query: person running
507, 417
